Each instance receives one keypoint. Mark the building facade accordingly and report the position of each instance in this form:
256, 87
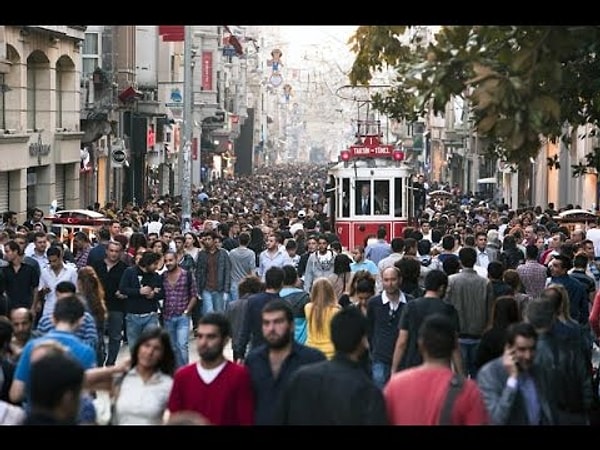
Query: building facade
40, 135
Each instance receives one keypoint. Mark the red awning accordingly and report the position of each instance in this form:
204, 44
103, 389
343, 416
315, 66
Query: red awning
172, 33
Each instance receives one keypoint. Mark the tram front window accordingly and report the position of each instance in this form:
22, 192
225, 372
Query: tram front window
345, 197
372, 201
382, 197
363, 198
398, 197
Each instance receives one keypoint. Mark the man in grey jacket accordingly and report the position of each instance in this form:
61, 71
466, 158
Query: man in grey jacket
515, 390
243, 263
472, 297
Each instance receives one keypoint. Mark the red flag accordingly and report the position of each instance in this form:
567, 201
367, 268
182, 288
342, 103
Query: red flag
234, 42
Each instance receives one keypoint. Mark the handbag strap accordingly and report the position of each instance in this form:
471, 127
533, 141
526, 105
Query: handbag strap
454, 388
114, 396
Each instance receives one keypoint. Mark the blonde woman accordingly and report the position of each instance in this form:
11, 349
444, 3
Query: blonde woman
319, 311
91, 289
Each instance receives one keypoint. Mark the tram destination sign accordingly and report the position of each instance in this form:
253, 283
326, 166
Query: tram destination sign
376, 151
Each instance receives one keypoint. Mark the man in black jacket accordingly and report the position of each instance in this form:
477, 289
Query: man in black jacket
143, 288
570, 368
336, 391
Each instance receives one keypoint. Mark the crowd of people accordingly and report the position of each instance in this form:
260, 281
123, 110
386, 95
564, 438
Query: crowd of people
475, 316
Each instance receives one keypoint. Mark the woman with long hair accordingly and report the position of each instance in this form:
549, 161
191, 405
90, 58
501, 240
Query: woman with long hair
160, 247
359, 297
91, 289
257, 242
342, 274
565, 325
513, 279
191, 245
505, 310
137, 240
140, 397
319, 311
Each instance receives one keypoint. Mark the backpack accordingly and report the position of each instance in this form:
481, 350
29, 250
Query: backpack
297, 300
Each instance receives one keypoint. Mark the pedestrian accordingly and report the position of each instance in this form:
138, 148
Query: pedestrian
515, 389
319, 312
418, 395
109, 271
335, 391
218, 389
143, 288
213, 275
251, 331
140, 395
55, 388
383, 315
406, 352
235, 311
272, 364
180, 299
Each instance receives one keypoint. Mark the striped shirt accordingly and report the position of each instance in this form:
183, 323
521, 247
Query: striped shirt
87, 331
178, 295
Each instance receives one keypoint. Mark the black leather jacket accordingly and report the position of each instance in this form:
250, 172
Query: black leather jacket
571, 371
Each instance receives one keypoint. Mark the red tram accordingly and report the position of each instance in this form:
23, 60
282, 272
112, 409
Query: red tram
368, 188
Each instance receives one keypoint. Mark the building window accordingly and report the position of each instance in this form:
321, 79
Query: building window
59, 100
90, 55
31, 97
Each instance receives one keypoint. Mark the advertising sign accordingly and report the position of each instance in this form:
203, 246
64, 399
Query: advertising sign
207, 71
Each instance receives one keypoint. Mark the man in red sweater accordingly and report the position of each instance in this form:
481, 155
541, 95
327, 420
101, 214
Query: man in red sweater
218, 389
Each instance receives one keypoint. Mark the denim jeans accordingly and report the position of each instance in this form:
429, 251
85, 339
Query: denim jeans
136, 323
212, 301
468, 353
114, 328
178, 328
380, 372
234, 292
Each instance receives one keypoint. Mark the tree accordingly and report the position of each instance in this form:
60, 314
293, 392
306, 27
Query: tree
523, 83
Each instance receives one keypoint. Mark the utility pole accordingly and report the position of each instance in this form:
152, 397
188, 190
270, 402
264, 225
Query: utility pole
185, 172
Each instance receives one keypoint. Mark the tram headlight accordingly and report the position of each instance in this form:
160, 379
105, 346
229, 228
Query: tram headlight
398, 155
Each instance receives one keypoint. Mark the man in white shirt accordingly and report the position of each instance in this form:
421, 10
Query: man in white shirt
52, 274
593, 234
37, 249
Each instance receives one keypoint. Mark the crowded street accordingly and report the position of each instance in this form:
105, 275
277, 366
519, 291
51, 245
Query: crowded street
260, 226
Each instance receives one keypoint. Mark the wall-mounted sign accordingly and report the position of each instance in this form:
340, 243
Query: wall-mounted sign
207, 71
39, 149
119, 156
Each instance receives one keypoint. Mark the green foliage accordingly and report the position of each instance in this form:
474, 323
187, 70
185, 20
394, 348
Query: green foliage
522, 82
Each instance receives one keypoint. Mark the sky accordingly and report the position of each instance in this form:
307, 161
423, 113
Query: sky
302, 38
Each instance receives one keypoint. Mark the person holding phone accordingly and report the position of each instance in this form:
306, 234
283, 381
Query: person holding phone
515, 390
